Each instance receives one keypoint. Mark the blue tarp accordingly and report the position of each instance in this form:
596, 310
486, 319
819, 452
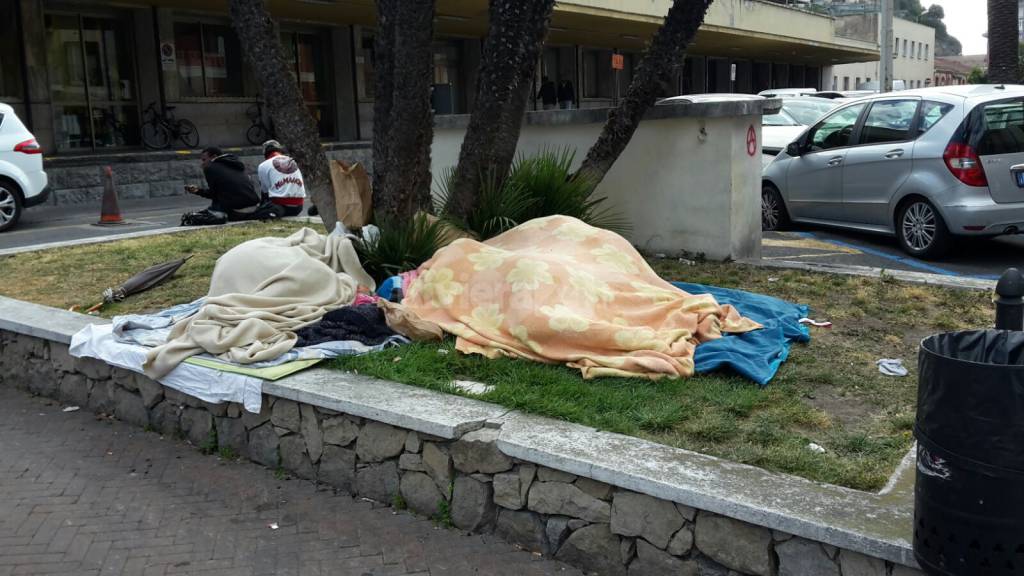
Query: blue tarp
755, 355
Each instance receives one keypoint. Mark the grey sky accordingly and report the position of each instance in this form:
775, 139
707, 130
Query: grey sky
967, 20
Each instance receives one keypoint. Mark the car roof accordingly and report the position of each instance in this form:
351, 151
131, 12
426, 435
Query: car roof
6, 108
975, 92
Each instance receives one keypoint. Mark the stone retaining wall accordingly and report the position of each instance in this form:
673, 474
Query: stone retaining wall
152, 175
467, 482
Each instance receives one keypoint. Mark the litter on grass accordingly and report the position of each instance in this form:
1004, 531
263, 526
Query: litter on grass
892, 367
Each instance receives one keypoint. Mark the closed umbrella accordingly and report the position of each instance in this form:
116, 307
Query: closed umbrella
148, 278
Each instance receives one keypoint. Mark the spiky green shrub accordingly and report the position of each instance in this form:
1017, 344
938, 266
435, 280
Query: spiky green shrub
402, 245
536, 186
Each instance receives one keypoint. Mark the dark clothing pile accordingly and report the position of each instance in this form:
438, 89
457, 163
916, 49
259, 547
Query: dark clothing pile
229, 188
364, 323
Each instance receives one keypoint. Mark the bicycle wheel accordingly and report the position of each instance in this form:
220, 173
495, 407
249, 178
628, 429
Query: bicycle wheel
155, 136
188, 133
256, 134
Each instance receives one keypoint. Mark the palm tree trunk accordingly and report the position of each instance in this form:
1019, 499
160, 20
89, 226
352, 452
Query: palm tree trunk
403, 120
293, 124
1003, 42
511, 50
666, 50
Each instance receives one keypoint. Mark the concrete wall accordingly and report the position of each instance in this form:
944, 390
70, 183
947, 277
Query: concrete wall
153, 175
462, 476
686, 184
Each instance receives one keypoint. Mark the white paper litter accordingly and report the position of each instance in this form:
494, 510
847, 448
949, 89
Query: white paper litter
892, 367
471, 387
71, 409
815, 448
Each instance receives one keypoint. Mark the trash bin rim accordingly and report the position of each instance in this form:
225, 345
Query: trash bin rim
924, 349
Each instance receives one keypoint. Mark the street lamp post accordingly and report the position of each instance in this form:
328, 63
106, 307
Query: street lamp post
885, 39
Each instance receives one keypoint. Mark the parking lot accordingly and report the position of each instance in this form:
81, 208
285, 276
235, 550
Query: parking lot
976, 258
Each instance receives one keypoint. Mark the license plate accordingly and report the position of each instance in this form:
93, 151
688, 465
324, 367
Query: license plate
1020, 179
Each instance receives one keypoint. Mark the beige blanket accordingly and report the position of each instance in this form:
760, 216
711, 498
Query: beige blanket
262, 291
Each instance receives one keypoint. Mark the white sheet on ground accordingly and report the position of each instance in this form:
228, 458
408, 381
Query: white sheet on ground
97, 341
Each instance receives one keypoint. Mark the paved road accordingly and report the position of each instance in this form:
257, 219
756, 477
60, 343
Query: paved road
45, 224
85, 496
979, 258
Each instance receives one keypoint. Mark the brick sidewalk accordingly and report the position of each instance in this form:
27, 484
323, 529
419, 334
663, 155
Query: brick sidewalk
85, 496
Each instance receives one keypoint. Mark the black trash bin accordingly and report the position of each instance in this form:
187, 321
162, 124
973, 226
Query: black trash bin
969, 495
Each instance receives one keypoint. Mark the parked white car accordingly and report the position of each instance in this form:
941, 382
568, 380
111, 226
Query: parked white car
22, 179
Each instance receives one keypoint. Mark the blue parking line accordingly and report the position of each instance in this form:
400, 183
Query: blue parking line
900, 259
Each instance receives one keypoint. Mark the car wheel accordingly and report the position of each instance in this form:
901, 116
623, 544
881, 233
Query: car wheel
921, 231
10, 205
773, 211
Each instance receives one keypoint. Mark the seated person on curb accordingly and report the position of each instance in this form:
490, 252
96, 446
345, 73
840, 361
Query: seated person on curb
230, 191
281, 180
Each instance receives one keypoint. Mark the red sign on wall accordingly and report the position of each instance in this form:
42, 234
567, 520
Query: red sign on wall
618, 62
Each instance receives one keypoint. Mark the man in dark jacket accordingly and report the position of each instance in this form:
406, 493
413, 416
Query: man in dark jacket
229, 188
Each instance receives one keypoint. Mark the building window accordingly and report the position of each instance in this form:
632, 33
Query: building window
856, 84
364, 64
868, 79
912, 47
446, 95
91, 71
927, 51
12, 85
835, 82
598, 76
209, 60
896, 48
920, 52
306, 53
846, 82
904, 47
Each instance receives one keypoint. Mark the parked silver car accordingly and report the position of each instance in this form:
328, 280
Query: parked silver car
923, 165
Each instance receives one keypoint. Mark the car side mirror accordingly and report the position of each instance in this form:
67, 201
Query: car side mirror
793, 149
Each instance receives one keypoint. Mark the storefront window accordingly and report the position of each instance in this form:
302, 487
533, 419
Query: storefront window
364, 63
12, 85
598, 76
306, 53
444, 97
209, 60
92, 81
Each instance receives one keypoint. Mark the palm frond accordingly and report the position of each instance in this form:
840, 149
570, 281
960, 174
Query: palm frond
402, 245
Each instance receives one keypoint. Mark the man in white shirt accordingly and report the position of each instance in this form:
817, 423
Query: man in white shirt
281, 180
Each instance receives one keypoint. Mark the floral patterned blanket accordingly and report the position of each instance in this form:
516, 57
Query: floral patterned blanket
557, 290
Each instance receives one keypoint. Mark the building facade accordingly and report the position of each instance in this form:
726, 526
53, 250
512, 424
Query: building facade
913, 60
950, 72
85, 75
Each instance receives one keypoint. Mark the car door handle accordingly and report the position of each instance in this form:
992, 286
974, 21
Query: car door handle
835, 161
893, 154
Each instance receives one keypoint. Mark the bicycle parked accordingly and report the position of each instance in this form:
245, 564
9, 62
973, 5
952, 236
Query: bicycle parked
159, 130
261, 130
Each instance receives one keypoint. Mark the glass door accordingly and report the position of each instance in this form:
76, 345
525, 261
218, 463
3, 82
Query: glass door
92, 82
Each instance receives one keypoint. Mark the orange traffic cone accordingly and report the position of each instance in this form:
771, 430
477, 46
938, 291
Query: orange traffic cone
110, 212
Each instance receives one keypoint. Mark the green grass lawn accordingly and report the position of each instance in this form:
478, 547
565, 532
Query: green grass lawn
77, 276
829, 392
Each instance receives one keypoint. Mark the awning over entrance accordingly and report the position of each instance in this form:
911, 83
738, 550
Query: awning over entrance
743, 29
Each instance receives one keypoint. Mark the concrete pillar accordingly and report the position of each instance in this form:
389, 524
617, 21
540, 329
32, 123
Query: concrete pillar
346, 108
147, 58
165, 33
37, 83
